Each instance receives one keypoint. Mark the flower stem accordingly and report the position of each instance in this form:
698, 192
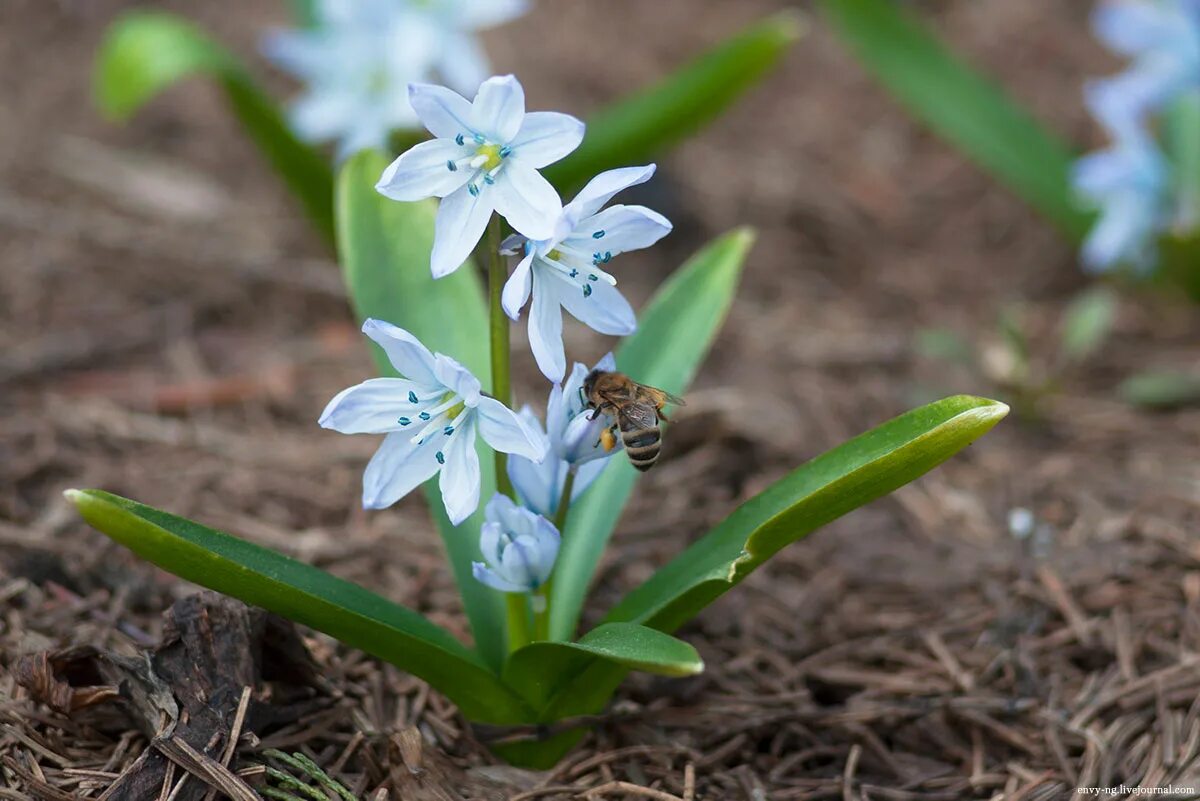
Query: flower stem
517, 604
498, 328
541, 620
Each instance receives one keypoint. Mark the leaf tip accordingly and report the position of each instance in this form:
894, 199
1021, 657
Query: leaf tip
75, 496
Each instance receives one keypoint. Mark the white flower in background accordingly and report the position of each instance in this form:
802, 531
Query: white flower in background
486, 157
431, 417
1163, 39
519, 547
574, 445
568, 268
359, 57
1130, 184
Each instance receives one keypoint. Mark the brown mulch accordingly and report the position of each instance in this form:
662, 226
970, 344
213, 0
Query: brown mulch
170, 330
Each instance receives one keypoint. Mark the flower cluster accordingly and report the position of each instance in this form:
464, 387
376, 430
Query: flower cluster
359, 56
483, 161
1130, 181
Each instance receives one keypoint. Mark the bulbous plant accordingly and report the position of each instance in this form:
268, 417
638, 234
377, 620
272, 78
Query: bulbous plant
524, 564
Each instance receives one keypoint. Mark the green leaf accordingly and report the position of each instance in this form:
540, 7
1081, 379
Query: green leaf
1087, 323
1161, 389
384, 247
537, 669
961, 106
1183, 144
145, 52
307, 595
673, 337
637, 128
840, 480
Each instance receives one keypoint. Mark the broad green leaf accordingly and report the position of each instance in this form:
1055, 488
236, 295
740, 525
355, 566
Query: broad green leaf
145, 52
1161, 389
307, 595
961, 106
537, 669
1087, 323
637, 128
839, 481
1183, 144
673, 337
384, 248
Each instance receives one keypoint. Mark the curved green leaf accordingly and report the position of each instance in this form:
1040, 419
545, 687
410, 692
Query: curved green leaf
962, 106
672, 339
838, 481
384, 248
145, 52
307, 595
637, 128
538, 668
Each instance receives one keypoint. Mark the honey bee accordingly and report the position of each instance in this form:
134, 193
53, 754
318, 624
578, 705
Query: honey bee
637, 409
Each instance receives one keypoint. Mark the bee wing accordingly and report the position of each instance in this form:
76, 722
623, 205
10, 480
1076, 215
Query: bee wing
659, 397
637, 415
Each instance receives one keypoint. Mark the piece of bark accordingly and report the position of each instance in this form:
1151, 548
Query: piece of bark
420, 773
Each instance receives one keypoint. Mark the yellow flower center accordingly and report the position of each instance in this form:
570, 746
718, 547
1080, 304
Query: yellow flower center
493, 156
554, 255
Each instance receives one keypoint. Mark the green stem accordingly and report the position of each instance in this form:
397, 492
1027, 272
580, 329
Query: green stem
517, 604
498, 326
541, 620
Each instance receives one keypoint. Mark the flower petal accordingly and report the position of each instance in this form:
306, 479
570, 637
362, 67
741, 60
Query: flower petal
601, 189
518, 286
1130, 28
444, 113
322, 115
423, 171
457, 379
547, 542
461, 220
537, 485
621, 229
527, 200
581, 438
396, 469
605, 310
372, 407
459, 482
489, 540
498, 108
518, 562
545, 137
586, 474
545, 327
506, 432
406, 353
485, 575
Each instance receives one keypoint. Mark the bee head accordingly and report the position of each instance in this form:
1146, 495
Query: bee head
589, 384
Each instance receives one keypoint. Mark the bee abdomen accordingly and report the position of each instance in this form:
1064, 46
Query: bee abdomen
641, 445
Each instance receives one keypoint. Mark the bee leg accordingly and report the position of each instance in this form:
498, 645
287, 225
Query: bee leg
662, 416
608, 439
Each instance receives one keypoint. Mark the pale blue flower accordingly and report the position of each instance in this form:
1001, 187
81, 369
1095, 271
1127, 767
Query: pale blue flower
574, 445
568, 269
1129, 183
519, 547
359, 56
485, 158
1163, 39
431, 417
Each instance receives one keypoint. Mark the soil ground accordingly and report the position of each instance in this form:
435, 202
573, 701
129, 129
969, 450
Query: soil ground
174, 337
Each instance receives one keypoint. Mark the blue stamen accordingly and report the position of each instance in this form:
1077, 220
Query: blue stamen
412, 396
607, 256
441, 457
451, 166
487, 179
597, 258
573, 272
587, 290
458, 140
404, 421
599, 234
593, 277
479, 140
473, 189
505, 152
424, 415
448, 430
